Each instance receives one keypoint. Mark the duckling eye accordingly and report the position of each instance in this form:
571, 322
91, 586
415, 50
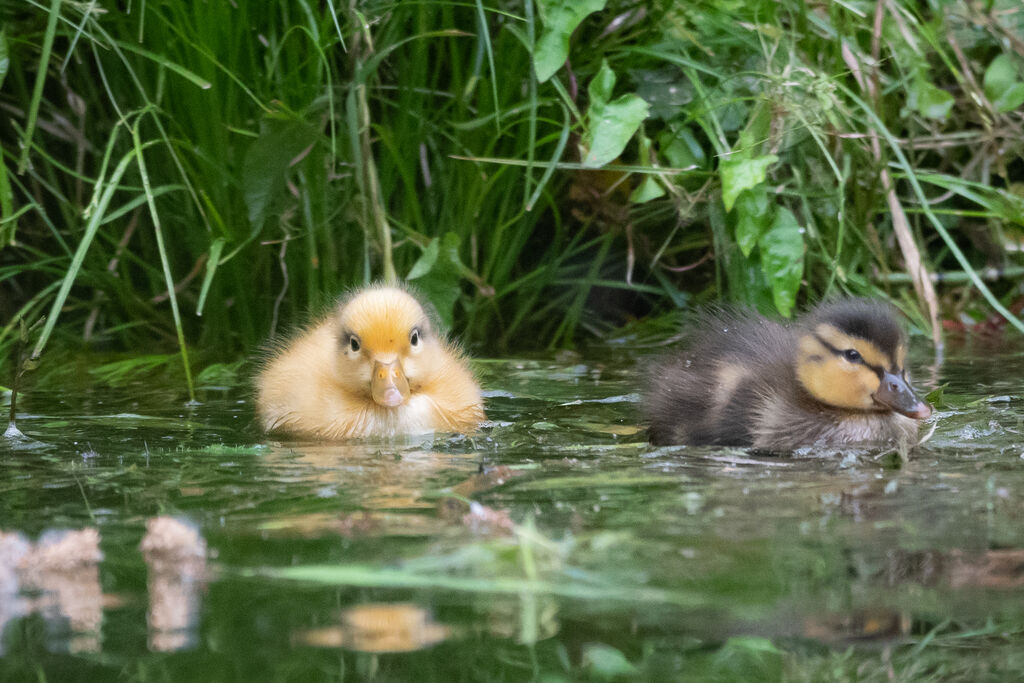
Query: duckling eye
414, 338
353, 343
852, 355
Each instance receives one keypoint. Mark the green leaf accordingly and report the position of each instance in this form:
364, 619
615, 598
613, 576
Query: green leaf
610, 124
426, 260
1002, 83
753, 216
749, 658
742, 174
437, 275
681, 149
560, 19
1011, 99
782, 258
220, 374
604, 661
264, 170
612, 129
216, 247
756, 131
5, 56
649, 189
928, 100
600, 88
936, 397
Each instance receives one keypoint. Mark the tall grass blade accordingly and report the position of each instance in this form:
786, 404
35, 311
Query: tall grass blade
37, 90
76, 262
168, 278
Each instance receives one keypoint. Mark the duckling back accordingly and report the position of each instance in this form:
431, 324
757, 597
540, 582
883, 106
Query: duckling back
708, 395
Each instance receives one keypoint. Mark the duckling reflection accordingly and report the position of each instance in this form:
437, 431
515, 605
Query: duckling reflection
378, 628
375, 367
13, 548
175, 555
372, 476
63, 567
836, 377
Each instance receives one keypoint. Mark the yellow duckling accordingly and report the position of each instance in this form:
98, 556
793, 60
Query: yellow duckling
834, 377
374, 367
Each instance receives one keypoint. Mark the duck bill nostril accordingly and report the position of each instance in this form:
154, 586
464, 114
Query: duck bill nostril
895, 394
389, 386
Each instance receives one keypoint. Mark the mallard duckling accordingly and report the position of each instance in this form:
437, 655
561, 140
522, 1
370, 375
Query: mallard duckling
834, 377
374, 367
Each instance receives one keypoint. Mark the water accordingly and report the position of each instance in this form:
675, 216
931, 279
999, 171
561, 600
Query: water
554, 545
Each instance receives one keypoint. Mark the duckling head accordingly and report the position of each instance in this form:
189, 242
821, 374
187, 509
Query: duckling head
851, 355
386, 345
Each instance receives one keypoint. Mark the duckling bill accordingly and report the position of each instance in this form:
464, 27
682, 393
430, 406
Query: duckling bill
374, 367
835, 377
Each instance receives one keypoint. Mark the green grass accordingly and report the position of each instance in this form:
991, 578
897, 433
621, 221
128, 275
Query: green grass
207, 175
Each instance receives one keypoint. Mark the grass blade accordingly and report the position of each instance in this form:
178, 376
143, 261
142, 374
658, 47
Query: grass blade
37, 91
151, 202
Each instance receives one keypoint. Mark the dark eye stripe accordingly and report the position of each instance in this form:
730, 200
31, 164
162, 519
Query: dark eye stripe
878, 370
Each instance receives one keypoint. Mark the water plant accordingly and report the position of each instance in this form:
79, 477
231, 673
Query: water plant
208, 174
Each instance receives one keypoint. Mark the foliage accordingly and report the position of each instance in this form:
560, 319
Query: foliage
210, 174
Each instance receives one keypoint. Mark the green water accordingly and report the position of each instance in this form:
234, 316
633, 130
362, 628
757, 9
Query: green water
586, 554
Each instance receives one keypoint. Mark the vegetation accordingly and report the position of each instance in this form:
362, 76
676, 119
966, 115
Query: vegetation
207, 174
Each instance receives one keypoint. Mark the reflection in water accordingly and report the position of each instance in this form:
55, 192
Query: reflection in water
58, 577
63, 568
371, 472
175, 555
528, 620
13, 547
660, 551
859, 625
998, 569
379, 627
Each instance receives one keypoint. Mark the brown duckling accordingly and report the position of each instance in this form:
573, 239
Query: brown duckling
835, 377
374, 367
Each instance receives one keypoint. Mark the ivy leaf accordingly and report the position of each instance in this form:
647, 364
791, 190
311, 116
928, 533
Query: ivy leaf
782, 258
1002, 84
611, 124
753, 216
743, 174
560, 19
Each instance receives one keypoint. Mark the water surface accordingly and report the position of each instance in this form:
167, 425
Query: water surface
555, 544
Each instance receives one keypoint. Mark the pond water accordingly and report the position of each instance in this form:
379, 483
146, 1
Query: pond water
554, 545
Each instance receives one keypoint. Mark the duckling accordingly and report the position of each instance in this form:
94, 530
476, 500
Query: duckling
835, 377
374, 367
